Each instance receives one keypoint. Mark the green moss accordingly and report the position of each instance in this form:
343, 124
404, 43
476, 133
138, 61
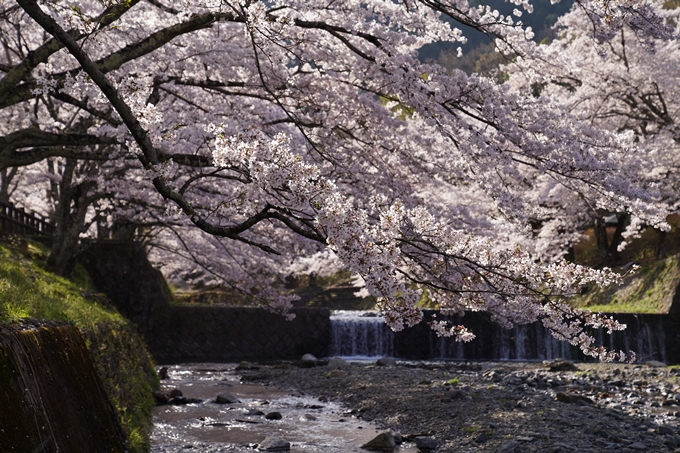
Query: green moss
123, 363
129, 377
28, 291
649, 290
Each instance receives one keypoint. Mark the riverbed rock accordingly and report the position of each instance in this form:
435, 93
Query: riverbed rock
386, 361
273, 416
337, 374
274, 443
307, 418
338, 363
309, 361
426, 443
164, 396
182, 401
656, 364
573, 398
397, 438
509, 446
560, 365
226, 398
382, 442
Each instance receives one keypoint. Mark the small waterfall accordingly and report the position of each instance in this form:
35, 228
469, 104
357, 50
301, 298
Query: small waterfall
364, 334
360, 334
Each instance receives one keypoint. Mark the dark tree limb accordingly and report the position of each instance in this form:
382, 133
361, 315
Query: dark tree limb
150, 155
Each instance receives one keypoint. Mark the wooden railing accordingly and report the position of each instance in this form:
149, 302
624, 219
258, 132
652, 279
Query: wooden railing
17, 221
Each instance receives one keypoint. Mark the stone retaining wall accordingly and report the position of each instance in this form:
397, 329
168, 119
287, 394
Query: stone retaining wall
51, 398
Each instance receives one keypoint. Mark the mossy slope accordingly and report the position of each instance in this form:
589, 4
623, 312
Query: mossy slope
648, 290
121, 358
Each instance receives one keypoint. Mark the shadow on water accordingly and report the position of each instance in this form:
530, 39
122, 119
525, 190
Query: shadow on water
307, 423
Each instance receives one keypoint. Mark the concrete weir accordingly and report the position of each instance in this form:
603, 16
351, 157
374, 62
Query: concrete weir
222, 334
51, 398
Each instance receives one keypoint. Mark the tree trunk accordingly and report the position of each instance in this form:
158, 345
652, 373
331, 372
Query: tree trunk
617, 239
70, 212
609, 250
661, 245
6, 176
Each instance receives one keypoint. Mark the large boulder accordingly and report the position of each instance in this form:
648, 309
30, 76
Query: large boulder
273, 443
381, 442
338, 363
309, 361
226, 398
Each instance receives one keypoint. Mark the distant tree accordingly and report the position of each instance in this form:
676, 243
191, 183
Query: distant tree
279, 129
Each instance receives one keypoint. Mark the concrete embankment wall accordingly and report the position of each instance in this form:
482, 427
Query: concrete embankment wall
236, 333
184, 333
51, 398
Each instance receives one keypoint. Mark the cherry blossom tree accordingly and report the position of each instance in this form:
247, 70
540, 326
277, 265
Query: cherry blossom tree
624, 84
261, 132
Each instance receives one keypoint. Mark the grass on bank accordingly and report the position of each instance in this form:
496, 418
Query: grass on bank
649, 290
124, 365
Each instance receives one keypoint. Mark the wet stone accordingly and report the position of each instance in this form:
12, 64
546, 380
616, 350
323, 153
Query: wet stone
426, 443
381, 442
386, 361
273, 443
164, 396
226, 398
273, 416
309, 361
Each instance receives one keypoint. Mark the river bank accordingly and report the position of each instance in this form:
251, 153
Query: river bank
501, 406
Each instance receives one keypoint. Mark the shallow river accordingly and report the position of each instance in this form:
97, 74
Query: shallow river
307, 423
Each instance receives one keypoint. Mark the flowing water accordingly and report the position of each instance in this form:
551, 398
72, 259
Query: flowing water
307, 423
364, 334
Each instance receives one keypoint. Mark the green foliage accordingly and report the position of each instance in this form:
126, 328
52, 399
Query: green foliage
122, 361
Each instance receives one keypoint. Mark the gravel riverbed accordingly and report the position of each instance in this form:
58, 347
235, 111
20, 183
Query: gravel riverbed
500, 407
